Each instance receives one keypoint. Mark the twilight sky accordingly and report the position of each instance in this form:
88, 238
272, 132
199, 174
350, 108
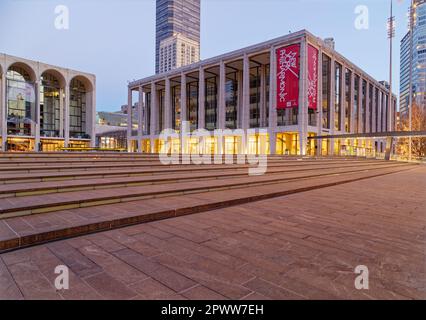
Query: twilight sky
115, 39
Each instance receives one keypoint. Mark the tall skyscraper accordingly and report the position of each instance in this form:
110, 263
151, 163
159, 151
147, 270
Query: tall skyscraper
177, 34
418, 53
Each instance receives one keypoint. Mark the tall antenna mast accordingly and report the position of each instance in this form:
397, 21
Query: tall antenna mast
391, 35
410, 86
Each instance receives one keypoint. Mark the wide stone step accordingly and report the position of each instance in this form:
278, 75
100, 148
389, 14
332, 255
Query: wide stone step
30, 230
47, 166
82, 173
155, 177
19, 206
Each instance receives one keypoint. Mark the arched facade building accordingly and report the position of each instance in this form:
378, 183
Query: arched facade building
45, 107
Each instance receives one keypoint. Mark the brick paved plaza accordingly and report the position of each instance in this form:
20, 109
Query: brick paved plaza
130, 228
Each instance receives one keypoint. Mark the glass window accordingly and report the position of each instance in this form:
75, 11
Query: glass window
377, 102
231, 89
192, 104
254, 97
337, 96
147, 126
356, 103
385, 113
267, 84
21, 108
364, 106
49, 106
287, 117
370, 106
326, 70
211, 104
176, 105
161, 95
348, 100
77, 109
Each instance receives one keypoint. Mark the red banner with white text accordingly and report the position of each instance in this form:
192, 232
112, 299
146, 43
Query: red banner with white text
288, 71
312, 77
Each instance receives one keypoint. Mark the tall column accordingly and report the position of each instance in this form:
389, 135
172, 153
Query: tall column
146, 120
319, 106
183, 109
303, 99
382, 118
343, 99
201, 99
394, 120
352, 115
167, 106
222, 96
332, 106
390, 113
67, 116
360, 101
373, 111
239, 98
245, 114
129, 120
367, 108
3, 111
154, 115
140, 118
272, 102
61, 112
262, 107
37, 116
92, 126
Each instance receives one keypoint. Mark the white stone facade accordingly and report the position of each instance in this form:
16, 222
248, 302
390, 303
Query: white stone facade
253, 104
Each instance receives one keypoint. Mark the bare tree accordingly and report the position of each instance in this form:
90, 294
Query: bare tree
418, 145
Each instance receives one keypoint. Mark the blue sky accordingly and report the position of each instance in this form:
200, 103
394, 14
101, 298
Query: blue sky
115, 39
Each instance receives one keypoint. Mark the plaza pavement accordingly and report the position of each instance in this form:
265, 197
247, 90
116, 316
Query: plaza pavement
296, 233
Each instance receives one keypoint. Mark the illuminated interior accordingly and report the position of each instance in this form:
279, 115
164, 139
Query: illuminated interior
258, 144
324, 147
51, 145
210, 145
159, 146
79, 144
287, 143
312, 145
146, 146
20, 144
175, 146
232, 144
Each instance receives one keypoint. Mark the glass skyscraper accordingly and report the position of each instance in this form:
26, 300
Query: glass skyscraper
176, 17
418, 52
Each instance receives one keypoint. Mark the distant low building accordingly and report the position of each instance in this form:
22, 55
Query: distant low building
111, 137
111, 128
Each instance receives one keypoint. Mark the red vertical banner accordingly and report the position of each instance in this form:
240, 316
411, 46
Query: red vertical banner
288, 71
312, 77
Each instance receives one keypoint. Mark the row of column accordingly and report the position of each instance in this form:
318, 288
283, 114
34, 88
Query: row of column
332, 105
243, 105
243, 113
